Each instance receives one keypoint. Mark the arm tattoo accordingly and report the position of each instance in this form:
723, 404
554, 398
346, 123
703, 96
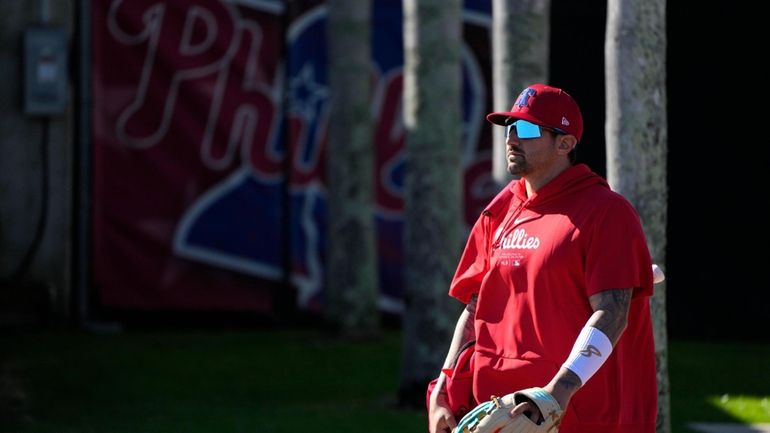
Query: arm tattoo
568, 380
469, 331
610, 312
465, 332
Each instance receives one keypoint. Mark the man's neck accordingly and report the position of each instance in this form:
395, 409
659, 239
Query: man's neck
535, 182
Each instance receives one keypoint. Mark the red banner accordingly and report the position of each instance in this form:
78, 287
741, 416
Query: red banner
209, 130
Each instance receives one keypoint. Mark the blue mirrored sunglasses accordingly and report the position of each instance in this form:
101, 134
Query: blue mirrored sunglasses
526, 129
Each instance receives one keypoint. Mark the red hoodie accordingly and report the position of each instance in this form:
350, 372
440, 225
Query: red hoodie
534, 262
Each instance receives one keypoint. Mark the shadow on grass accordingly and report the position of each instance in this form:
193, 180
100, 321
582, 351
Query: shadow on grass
281, 381
199, 381
719, 383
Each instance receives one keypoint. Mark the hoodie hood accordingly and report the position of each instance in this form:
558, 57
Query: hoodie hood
568, 182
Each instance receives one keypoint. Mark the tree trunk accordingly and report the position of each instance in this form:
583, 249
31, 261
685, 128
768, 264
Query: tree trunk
636, 131
520, 37
352, 289
432, 41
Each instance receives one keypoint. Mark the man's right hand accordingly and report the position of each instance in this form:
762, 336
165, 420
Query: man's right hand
440, 416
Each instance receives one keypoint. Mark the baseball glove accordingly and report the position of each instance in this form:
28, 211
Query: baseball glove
494, 416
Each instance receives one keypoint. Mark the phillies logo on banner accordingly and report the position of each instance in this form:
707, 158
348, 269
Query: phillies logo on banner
210, 123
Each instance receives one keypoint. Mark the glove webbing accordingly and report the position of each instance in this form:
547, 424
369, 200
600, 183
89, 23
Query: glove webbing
472, 418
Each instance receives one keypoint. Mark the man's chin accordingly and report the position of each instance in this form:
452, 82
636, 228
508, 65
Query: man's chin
516, 169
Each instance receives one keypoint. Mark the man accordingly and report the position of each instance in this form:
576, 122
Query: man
556, 278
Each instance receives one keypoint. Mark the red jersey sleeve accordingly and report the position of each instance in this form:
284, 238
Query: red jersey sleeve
617, 256
473, 264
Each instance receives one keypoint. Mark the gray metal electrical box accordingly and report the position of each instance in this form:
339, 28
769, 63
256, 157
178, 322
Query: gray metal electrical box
45, 71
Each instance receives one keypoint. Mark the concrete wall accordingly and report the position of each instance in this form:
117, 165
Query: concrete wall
44, 286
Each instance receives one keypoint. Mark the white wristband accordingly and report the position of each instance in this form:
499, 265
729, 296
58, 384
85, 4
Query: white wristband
591, 349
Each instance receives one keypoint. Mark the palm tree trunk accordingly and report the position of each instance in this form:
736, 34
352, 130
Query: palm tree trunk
352, 283
636, 131
520, 36
432, 41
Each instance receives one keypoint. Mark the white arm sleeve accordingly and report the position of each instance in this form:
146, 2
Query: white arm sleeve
591, 350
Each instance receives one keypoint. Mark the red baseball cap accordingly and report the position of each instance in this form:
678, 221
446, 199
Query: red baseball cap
545, 106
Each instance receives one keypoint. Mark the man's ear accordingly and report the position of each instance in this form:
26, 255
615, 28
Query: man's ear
565, 143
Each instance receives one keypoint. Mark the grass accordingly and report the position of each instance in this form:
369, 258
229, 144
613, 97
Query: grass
277, 382
719, 382
287, 381
745, 408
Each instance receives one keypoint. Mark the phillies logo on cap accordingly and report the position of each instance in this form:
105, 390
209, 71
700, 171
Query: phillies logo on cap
523, 99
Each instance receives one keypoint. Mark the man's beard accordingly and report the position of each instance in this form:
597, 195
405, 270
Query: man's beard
519, 168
